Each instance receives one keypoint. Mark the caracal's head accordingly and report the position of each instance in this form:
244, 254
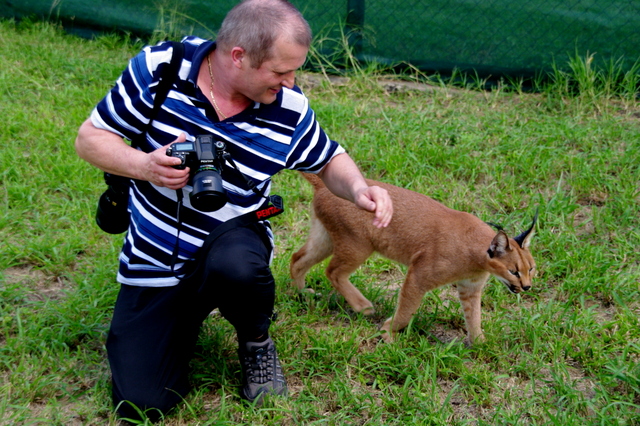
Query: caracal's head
510, 260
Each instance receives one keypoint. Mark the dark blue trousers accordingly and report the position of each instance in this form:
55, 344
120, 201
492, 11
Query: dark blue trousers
154, 331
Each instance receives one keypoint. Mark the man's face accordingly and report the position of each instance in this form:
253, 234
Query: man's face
263, 84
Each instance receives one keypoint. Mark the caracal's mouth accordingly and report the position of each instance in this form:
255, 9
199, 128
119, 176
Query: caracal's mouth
512, 288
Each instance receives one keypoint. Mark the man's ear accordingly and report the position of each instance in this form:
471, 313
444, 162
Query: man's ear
238, 55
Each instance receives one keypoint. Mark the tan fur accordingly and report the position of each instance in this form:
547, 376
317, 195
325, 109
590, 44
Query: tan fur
438, 244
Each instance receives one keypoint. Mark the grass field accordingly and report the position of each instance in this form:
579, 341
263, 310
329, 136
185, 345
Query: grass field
565, 353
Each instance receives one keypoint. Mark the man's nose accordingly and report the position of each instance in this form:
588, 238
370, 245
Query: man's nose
289, 80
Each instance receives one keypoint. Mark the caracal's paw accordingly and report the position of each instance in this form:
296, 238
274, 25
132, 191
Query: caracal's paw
385, 331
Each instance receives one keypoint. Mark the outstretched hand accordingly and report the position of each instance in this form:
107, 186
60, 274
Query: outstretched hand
376, 199
345, 180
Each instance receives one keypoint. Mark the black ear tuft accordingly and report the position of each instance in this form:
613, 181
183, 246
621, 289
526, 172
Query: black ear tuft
524, 239
495, 225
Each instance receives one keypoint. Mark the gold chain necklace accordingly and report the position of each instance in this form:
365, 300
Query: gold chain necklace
213, 98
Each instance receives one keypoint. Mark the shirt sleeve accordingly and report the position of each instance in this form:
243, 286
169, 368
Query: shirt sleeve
312, 149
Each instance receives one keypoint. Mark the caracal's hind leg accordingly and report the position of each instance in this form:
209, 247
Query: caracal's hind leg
344, 262
416, 284
317, 248
470, 294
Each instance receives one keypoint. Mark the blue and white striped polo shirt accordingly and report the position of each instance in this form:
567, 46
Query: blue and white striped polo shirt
262, 140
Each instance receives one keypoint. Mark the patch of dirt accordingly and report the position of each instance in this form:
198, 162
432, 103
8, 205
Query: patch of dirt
582, 221
309, 81
598, 199
42, 286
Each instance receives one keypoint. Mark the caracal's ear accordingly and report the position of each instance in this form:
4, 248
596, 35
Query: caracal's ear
499, 245
524, 239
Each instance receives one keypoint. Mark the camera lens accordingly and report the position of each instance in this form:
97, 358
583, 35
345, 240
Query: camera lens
208, 194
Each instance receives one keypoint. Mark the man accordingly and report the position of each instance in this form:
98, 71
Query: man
240, 89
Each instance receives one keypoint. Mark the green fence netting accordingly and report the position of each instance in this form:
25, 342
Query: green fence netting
488, 37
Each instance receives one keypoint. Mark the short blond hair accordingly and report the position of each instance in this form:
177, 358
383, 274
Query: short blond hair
255, 25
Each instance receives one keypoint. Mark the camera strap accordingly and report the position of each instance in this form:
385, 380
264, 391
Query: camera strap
118, 185
168, 75
276, 200
273, 207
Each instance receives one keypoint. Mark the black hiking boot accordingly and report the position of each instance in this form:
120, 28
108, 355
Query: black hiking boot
261, 371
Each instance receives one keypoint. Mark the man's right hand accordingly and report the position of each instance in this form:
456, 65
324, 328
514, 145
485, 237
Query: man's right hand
159, 168
108, 152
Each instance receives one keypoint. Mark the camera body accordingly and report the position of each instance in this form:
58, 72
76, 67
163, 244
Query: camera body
205, 159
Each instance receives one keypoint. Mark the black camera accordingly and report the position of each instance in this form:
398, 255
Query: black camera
205, 158
112, 215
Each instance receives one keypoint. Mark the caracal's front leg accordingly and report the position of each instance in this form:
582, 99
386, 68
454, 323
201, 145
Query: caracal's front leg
470, 294
416, 284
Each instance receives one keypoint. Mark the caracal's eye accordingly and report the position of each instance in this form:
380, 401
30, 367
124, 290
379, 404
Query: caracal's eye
515, 273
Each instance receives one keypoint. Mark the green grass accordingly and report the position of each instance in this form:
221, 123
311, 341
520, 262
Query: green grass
566, 353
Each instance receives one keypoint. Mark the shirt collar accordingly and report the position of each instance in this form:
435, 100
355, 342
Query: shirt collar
196, 60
